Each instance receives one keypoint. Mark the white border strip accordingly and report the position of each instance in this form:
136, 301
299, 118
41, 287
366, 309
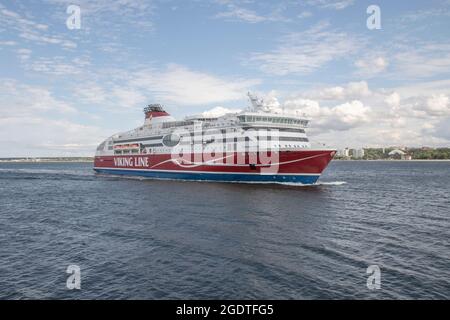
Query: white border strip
213, 172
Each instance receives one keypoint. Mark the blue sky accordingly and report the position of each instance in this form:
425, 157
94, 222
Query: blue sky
62, 91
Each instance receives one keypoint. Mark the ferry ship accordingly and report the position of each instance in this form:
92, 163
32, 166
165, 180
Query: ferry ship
255, 145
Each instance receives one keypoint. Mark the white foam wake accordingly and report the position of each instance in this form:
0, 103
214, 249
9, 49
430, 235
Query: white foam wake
48, 171
331, 183
320, 183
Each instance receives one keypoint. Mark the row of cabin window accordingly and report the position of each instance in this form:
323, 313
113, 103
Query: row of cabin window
242, 139
209, 132
272, 120
134, 151
229, 147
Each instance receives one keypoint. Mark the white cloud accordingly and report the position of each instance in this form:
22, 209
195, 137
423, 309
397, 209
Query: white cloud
58, 66
44, 39
371, 66
113, 97
18, 99
352, 90
30, 30
344, 116
124, 12
235, 11
35, 122
426, 60
42, 136
341, 117
442, 129
241, 14
311, 108
8, 43
354, 109
219, 111
123, 7
427, 88
393, 100
354, 115
305, 52
127, 97
425, 14
438, 105
24, 54
180, 85
91, 92
349, 115
428, 108
331, 4
304, 14
12, 18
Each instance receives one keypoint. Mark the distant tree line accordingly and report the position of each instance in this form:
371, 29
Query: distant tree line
430, 154
416, 153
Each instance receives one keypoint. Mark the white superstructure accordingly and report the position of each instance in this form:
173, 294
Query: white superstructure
250, 130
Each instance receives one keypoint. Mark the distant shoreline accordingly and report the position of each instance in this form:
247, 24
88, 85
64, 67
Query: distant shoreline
46, 160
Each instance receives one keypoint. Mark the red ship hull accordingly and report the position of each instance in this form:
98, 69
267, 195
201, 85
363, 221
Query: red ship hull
299, 166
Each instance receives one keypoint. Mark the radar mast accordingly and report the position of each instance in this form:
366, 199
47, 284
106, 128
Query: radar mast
257, 104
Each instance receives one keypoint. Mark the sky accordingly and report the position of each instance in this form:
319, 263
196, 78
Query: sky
64, 89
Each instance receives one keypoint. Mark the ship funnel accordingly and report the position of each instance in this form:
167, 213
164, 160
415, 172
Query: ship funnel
154, 113
154, 110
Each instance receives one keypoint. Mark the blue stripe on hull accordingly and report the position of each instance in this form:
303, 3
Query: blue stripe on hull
234, 177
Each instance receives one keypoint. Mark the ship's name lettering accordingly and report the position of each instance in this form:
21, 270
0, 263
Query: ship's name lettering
131, 162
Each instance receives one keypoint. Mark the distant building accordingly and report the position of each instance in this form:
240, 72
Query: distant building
399, 155
358, 153
343, 153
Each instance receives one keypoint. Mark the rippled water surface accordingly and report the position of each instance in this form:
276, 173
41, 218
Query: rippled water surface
151, 239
